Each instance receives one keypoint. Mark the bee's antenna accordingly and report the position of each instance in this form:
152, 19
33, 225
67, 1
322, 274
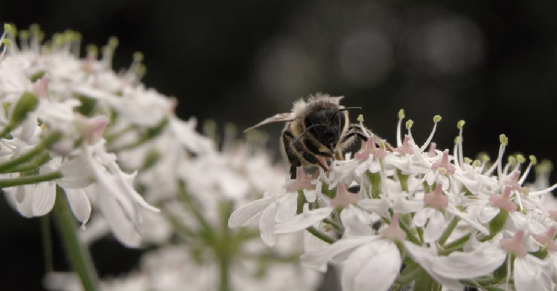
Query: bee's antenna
305, 131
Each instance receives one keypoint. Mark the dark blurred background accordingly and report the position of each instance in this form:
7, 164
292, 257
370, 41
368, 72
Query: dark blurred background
492, 63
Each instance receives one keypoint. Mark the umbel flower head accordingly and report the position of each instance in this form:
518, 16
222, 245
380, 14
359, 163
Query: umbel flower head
420, 217
58, 111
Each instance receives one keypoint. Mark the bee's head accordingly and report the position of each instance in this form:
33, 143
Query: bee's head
325, 125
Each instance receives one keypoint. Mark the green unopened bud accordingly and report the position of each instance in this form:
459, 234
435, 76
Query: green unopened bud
26, 103
360, 118
520, 158
401, 114
533, 159
436, 118
409, 124
503, 139
460, 124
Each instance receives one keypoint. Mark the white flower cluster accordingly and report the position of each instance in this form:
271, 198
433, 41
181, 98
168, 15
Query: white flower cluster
74, 126
53, 129
417, 217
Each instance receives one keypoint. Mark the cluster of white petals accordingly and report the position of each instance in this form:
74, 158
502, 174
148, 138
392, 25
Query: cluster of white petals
412, 215
72, 125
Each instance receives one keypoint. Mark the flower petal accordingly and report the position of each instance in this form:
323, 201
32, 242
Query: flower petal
434, 227
241, 215
267, 225
461, 265
531, 273
336, 251
79, 203
304, 220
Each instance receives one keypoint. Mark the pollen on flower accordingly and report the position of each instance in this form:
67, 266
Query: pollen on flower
503, 201
444, 166
514, 245
393, 231
436, 199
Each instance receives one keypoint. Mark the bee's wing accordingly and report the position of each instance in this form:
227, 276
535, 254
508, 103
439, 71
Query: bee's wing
280, 117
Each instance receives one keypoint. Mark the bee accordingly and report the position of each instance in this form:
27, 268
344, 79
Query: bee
317, 130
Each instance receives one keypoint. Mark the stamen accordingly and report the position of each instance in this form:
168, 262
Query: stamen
497, 164
398, 131
533, 162
436, 119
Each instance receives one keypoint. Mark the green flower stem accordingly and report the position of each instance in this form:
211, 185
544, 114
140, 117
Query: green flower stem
409, 233
149, 135
45, 144
76, 253
320, 235
25, 180
332, 223
191, 205
31, 165
426, 283
403, 180
224, 248
313, 230
410, 273
375, 180
448, 231
47, 244
455, 245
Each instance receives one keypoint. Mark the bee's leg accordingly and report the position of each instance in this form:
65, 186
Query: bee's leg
289, 153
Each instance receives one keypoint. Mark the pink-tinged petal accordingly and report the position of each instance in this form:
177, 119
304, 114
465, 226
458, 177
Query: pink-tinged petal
343, 198
514, 245
531, 273
546, 239
405, 148
91, 128
393, 231
241, 215
301, 182
436, 199
267, 225
40, 87
384, 264
444, 166
503, 201
338, 251
79, 203
483, 260
302, 221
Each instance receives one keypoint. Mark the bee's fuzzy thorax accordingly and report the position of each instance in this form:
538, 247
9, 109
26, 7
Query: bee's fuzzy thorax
301, 105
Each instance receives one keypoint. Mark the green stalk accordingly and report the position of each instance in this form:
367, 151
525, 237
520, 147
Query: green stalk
77, 254
426, 283
409, 234
45, 144
47, 244
375, 180
320, 235
448, 231
455, 245
25, 180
